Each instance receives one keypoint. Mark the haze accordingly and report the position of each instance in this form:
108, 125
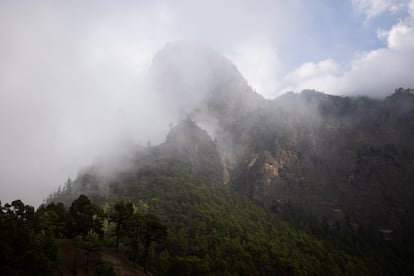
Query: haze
73, 73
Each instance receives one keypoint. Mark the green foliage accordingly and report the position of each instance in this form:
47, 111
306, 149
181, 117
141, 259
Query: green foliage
152, 230
89, 243
55, 218
217, 231
176, 225
121, 213
85, 217
143, 230
23, 249
134, 234
378, 255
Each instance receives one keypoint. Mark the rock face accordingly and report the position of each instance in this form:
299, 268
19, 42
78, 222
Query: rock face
345, 158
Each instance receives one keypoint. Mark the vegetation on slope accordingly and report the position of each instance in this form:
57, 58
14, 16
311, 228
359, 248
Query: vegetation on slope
219, 231
173, 224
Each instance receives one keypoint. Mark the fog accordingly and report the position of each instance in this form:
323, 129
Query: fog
74, 74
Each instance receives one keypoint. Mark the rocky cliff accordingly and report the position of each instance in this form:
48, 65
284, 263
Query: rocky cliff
350, 160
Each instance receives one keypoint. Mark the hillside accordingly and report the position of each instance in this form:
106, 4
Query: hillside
215, 230
330, 171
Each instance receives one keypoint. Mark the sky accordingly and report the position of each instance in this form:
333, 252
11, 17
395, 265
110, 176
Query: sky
71, 72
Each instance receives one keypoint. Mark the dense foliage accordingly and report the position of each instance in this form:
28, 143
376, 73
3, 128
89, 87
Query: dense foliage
26, 247
218, 231
173, 224
27, 237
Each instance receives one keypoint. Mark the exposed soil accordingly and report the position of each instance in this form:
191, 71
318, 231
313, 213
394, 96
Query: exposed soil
120, 263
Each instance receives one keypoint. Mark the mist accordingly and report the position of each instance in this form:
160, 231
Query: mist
74, 76
71, 90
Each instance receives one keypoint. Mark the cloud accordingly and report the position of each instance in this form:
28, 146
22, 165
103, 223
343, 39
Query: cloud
372, 8
321, 76
373, 73
257, 60
71, 88
400, 37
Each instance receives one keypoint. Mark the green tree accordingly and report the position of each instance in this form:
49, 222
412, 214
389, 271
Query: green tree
153, 230
120, 214
85, 217
53, 217
143, 230
134, 226
89, 244
23, 249
21, 211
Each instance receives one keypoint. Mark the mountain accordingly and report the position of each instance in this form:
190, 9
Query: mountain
323, 163
347, 158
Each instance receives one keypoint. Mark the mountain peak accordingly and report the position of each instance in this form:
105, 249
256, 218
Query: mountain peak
194, 79
190, 67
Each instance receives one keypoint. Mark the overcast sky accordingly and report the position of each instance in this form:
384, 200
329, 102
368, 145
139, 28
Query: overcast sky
71, 71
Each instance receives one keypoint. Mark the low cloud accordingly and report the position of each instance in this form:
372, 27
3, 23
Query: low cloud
257, 60
71, 88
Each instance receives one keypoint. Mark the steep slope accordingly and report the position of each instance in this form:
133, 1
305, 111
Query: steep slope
217, 231
349, 159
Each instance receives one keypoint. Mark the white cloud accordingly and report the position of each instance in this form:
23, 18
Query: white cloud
401, 37
310, 70
320, 76
259, 64
70, 88
374, 73
372, 8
